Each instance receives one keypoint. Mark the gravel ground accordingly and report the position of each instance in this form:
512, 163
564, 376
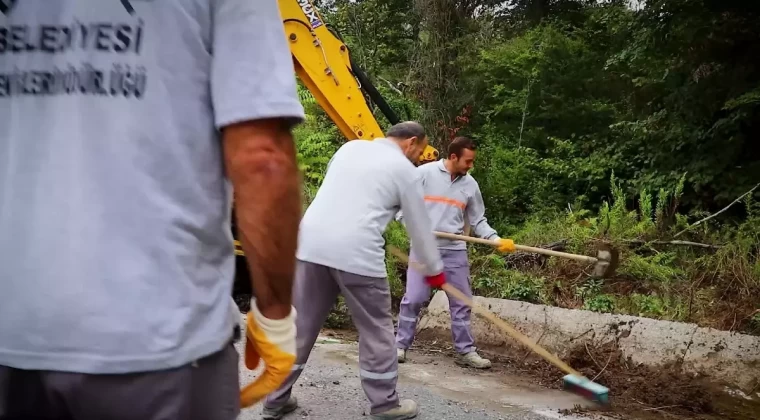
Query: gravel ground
329, 388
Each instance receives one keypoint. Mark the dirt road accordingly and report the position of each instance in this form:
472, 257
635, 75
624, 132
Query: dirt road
329, 388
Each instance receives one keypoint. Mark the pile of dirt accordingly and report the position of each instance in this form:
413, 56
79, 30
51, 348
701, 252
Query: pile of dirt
637, 387
636, 391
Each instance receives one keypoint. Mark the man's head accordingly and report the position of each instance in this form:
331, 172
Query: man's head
461, 155
410, 135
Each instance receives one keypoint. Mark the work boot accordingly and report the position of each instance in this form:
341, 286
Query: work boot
277, 413
472, 359
406, 410
401, 354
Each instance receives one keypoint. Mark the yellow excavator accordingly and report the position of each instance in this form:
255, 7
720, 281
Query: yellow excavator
323, 64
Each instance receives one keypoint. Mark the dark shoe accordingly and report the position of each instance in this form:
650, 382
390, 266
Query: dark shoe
277, 413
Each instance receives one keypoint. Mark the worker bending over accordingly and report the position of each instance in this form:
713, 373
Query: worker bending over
118, 139
341, 250
451, 197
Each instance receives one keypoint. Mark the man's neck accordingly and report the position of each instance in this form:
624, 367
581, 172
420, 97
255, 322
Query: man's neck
448, 165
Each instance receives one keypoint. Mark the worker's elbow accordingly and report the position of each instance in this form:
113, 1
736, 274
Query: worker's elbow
261, 178
260, 149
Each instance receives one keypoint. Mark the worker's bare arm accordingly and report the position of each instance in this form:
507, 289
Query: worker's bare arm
255, 103
260, 159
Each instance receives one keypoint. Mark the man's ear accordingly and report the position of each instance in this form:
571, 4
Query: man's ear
414, 140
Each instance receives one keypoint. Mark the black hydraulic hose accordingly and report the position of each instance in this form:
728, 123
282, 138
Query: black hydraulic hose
367, 85
373, 93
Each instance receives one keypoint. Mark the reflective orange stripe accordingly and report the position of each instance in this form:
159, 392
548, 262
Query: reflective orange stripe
445, 200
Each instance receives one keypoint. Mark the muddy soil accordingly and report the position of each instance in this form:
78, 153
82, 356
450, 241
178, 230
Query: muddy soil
636, 392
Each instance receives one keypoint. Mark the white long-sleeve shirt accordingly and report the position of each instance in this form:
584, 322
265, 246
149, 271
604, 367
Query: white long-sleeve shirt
366, 184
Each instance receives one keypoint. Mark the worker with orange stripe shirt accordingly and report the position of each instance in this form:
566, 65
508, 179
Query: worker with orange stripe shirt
451, 197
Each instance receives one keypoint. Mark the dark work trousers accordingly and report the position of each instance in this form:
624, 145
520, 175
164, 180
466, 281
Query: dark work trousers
369, 301
207, 389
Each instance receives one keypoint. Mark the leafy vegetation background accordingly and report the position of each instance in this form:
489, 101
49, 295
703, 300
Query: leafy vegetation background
597, 121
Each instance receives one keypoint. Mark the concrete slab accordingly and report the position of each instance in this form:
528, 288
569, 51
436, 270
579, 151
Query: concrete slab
724, 356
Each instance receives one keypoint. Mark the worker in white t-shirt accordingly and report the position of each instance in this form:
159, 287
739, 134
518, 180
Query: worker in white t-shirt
123, 125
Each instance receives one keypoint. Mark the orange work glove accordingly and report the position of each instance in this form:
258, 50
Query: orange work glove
274, 342
506, 245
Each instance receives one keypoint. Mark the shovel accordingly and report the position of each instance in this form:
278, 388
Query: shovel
605, 263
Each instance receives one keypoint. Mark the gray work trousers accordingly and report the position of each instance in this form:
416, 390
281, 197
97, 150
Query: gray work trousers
205, 390
369, 300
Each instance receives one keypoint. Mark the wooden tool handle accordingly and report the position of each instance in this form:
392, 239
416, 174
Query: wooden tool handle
581, 258
517, 335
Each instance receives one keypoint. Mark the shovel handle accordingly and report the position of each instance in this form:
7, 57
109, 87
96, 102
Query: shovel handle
544, 251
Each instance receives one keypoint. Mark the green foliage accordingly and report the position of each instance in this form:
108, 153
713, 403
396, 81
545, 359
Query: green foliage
316, 141
595, 122
508, 284
647, 305
658, 268
589, 289
755, 322
395, 236
600, 303
340, 316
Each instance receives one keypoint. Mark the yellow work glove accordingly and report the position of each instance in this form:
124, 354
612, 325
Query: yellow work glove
506, 245
274, 342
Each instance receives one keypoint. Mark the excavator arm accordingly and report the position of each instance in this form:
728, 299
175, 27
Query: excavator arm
324, 65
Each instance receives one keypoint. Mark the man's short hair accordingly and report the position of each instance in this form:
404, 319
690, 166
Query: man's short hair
406, 129
457, 146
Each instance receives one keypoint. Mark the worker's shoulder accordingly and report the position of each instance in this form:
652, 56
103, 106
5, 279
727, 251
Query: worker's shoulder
395, 164
354, 144
429, 167
389, 155
374, 156
349, 149
470, 182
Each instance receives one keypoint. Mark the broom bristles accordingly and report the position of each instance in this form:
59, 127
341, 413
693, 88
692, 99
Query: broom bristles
586, 388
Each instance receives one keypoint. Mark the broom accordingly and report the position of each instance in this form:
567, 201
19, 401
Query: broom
573, 381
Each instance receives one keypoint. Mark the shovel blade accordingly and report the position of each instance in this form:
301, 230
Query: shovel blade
608, 261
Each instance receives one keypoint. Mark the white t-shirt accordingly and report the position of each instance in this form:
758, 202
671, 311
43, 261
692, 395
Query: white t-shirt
115, 247
366, 184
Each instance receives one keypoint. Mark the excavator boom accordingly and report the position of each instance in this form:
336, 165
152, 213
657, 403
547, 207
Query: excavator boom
323, 64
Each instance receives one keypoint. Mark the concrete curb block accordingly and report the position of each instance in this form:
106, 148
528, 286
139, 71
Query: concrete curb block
723, 356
